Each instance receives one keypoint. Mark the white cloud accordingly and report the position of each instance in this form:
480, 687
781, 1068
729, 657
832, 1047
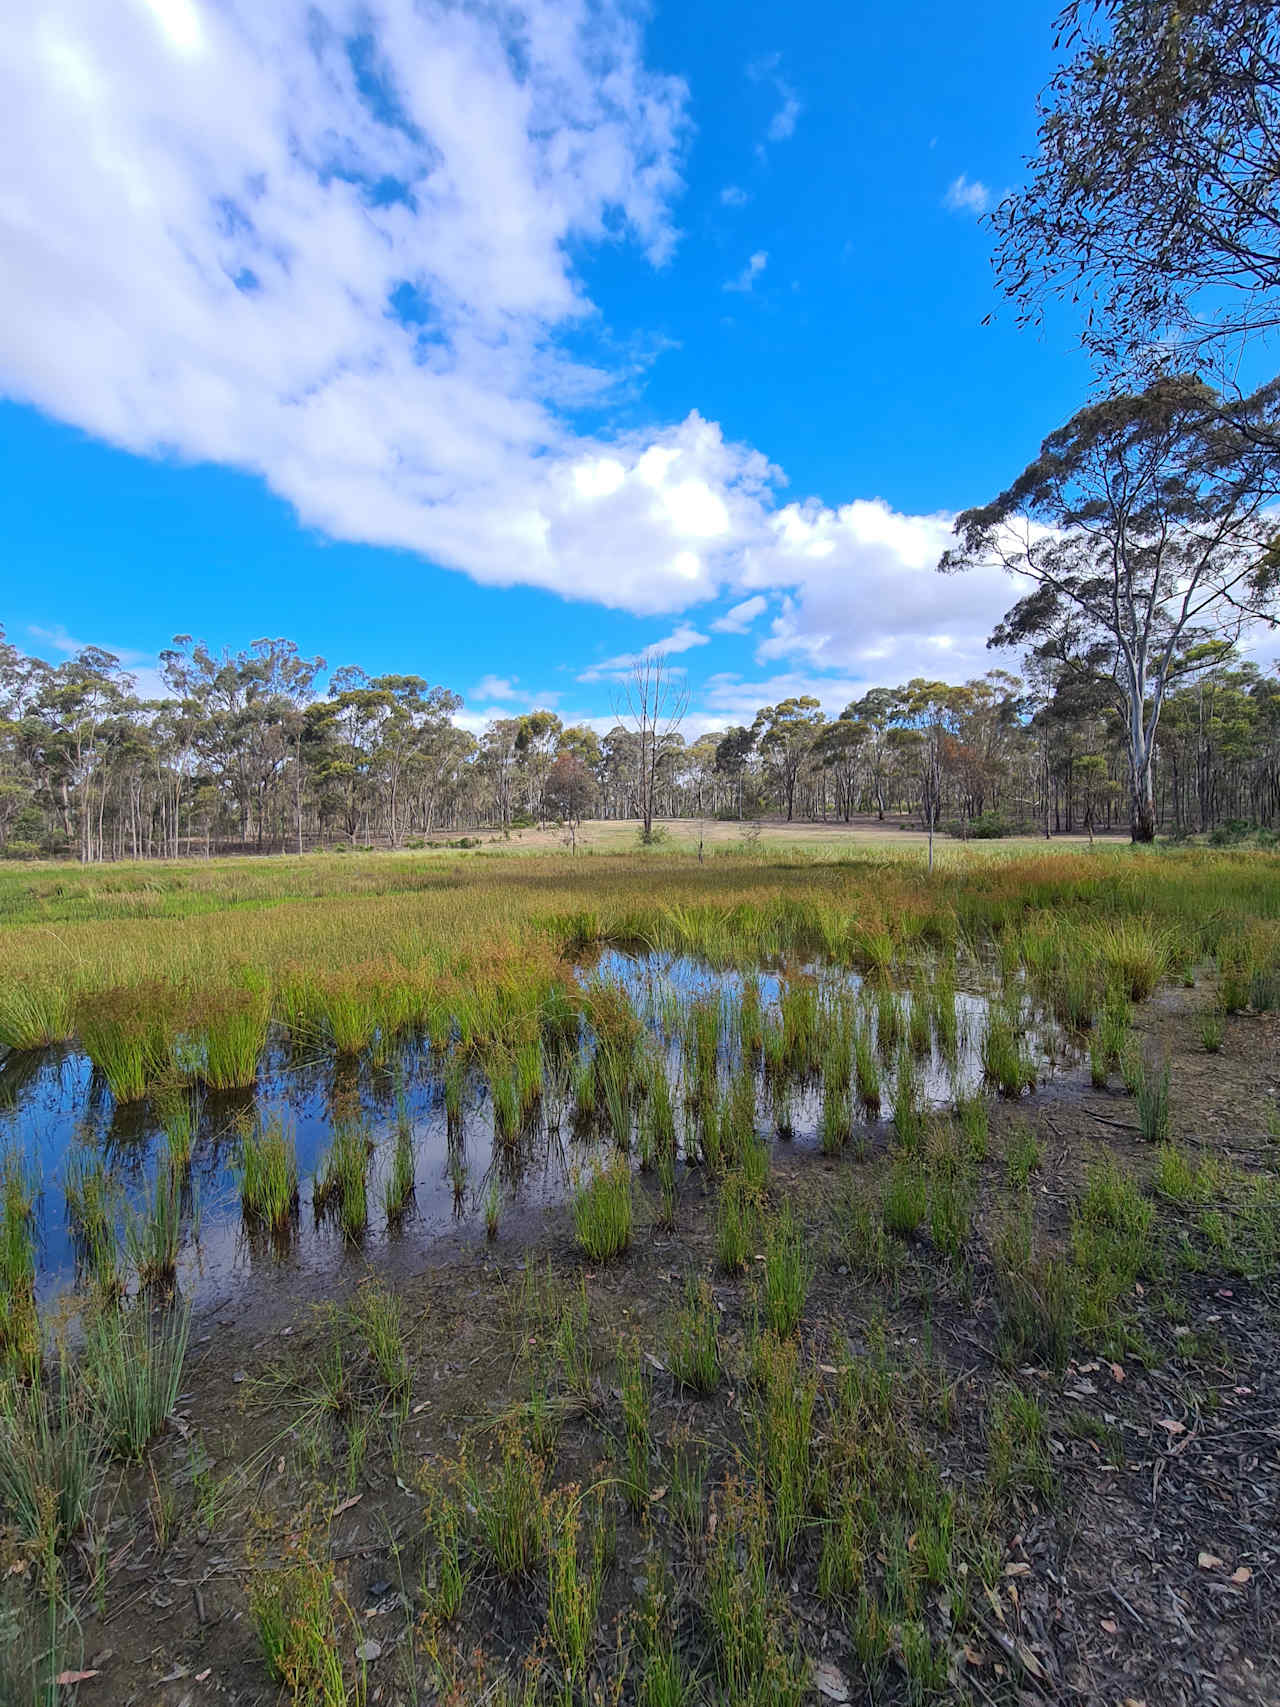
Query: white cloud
866, 599
965, 195
782, 125
739, 619
495, 687
682, 639
733, 196
756, 264
275, 238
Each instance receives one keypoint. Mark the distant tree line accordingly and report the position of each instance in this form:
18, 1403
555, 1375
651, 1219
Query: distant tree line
259, 750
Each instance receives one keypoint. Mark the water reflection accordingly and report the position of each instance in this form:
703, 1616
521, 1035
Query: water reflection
53, 1106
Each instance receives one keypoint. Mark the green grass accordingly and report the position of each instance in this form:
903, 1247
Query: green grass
737, 1223
304, 1628
268, 1176
1152, 1099
132, 1369
788, 1270
694, 1349
51, 1444
153, 1232
342, 1185
906, 1198
19, 1324
602, 1213
509, 1503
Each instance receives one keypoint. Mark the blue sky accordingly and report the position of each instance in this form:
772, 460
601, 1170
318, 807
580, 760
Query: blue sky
499, 347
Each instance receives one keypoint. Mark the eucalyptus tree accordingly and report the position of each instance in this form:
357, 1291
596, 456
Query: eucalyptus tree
1143, 536
733, 755
1154, 192
785, 735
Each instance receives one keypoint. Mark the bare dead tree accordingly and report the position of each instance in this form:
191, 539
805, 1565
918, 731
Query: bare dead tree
653, 702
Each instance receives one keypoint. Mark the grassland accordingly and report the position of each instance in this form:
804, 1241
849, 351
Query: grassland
969, 1400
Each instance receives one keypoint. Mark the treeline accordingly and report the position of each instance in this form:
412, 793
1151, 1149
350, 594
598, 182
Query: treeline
245, 751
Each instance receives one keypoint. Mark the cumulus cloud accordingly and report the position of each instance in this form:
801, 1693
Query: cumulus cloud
739, 618
865, 599
275, 238
967, 195
744, 280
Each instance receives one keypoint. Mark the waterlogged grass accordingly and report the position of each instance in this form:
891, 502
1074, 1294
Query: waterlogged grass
764, 1439
268, 1176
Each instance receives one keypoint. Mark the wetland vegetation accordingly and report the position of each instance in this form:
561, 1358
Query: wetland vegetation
640, 1278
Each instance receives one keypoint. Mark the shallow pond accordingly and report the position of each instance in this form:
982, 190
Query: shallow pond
53, 1105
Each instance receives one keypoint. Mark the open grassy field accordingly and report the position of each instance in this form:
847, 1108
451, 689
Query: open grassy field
849, 1282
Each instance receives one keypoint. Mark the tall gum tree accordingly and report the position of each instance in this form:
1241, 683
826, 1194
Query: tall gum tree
1145, 533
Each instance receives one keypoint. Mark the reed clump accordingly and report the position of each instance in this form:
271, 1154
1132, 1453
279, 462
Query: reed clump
268, 1175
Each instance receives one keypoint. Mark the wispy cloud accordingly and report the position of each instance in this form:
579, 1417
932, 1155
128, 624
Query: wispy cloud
682, 639
750, 273
967, 195
495, 687
782, 125
733, 195
739, 618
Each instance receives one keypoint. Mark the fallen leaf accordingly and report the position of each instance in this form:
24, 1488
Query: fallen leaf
658, 1493
1171, 1425
830, 1682
205, 1675
347, 1504
1017, 1569
1030, 1661
1117, 1373
1208, 1561
972, 1656
1110, 1626
67, 1677
369, 1651
1242, 1574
